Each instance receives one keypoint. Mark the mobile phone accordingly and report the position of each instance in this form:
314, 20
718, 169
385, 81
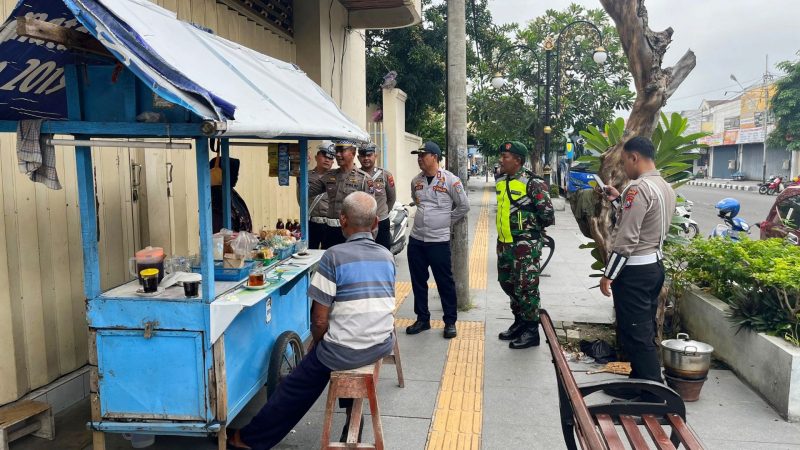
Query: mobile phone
599, 182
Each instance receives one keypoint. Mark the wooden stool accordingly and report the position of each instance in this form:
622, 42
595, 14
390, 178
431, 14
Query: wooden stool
394, 358
32, 417
358, 384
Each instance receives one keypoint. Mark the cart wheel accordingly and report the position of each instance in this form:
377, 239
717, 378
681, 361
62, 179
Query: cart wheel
286, 355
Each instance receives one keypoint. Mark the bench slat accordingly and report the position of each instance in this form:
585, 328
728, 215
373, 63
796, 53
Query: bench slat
635, 436
609, 432
657, 432
16, 413
688, 438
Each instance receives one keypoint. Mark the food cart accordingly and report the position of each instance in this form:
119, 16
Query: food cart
168, 364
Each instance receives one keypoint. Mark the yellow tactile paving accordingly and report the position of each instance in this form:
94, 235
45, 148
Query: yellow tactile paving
458, 416
480, 245
401, 291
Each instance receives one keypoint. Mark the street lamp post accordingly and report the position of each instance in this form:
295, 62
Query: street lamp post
600, 56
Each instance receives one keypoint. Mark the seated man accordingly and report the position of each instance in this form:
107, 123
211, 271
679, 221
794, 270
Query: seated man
351, 323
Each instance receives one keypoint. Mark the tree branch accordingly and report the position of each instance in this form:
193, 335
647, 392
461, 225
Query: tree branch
679, 72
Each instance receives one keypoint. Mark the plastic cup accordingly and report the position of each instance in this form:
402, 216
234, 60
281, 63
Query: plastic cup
191, 288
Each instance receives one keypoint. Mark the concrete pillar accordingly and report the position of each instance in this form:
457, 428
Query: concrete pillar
795, 164
398, 143
333, 56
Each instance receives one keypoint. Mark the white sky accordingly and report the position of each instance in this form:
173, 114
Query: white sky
727, 36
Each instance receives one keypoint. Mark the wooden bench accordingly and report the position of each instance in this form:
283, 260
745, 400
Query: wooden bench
358, 384
595, 425
24, 418
394, 358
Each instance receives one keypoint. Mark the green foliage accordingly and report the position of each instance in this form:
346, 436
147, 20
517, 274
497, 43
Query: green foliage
760, 280
786, 107
554, 191
417, 54
674, 150
589, 94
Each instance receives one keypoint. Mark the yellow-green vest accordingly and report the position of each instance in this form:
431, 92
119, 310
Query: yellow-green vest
510, 218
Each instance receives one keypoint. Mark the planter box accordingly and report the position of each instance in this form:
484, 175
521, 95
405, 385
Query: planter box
770, 365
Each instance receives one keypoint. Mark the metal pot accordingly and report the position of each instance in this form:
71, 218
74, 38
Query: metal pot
686, 358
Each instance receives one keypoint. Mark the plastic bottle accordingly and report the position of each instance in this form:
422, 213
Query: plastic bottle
280, 225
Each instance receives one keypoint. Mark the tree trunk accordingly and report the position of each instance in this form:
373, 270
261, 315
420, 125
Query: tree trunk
645, 50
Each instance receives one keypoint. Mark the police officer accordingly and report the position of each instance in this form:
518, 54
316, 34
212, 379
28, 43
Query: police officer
523, 211
634, 272
441, 201
318, 207
337, 184
380, 185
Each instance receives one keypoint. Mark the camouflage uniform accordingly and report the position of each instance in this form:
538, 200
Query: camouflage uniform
521, 218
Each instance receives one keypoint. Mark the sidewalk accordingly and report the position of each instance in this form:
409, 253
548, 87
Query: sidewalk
725, 184
473, 391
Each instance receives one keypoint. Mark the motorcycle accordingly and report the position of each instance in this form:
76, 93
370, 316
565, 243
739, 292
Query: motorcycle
731, 227
689, 226
773, 186
398, 221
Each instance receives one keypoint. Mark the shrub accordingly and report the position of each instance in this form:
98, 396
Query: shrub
554, 192
760, 280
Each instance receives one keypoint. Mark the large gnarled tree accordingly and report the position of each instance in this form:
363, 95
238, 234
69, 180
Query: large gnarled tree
645, 50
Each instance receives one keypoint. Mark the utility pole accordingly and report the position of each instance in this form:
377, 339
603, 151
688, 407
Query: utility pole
457, 136
767, 79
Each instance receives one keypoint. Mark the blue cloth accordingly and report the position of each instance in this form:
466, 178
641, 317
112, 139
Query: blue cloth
436, 255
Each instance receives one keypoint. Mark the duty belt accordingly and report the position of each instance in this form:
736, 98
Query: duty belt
642, 260
317, 219
332, 222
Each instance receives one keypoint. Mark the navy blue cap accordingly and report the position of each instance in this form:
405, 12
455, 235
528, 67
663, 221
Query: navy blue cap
428, 147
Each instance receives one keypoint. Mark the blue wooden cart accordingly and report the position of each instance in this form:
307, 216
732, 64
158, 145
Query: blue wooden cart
168, 364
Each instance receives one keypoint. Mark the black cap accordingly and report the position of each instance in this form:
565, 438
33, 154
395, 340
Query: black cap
428, 147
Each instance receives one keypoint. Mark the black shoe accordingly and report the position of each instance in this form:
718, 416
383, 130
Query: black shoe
343, 437
450, 331
418, 327
514, 330
528, 338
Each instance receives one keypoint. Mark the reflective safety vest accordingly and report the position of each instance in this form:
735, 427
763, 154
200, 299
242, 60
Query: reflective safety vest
518, 215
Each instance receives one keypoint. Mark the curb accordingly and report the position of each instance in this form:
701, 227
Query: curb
723, 185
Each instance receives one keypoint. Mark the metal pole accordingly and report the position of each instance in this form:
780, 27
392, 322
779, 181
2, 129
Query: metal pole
548, 128
766, 117
457, 136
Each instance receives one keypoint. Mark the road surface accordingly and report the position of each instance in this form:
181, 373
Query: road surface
754, 206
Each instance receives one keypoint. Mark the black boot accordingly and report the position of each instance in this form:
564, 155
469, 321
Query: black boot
529, 336
514, 330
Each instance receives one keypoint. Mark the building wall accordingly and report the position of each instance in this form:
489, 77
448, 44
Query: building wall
42, 307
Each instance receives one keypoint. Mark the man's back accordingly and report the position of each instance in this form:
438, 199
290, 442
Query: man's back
356, 280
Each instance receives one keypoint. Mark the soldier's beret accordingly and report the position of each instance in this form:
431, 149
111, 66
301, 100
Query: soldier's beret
515, 147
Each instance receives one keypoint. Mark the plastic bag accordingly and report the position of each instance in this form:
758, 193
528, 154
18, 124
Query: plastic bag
598, 349
243, 243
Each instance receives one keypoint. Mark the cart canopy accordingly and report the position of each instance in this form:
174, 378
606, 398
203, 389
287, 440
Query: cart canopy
251, 94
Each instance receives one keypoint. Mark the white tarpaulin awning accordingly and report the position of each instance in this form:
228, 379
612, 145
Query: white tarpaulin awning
253, 94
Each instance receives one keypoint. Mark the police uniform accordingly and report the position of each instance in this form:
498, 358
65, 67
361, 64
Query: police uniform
318, 205
524, 210
441, 201
380, 184
643, 216
336, 184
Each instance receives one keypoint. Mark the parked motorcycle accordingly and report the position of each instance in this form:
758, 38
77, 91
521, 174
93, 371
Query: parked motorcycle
398, 221
773, 186
732, 226
689, 226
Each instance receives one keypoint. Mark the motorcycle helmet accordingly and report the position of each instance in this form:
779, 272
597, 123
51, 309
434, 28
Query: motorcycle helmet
728, 207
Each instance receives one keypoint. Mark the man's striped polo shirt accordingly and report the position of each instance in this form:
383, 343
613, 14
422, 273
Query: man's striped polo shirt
356, 280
